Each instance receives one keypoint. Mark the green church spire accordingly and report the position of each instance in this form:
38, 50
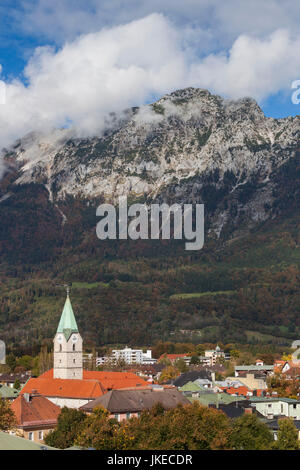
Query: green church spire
67, 324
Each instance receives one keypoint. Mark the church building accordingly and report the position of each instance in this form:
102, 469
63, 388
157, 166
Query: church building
68, 384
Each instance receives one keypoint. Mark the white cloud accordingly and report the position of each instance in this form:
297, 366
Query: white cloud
92, 76
253, 67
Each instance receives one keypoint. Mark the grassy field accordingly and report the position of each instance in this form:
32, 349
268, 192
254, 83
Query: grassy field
88, 285
200, 294
265, 338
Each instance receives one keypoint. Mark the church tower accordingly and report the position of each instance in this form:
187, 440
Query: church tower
67, 346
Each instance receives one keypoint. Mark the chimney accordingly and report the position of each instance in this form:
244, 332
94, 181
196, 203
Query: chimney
27, 397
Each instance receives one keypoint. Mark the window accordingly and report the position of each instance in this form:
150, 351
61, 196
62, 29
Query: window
41, 435
30, 436
127, 415
117, 416
60, 348
73, 361
73, 347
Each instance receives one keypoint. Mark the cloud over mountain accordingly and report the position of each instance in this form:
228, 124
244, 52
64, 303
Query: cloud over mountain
85, 79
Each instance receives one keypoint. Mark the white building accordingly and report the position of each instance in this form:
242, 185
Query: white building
133, 356
211, 356
277, 407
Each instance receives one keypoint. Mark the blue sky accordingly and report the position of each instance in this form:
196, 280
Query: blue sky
72, 60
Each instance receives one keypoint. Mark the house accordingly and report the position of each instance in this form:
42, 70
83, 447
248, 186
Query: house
125, 404
253, 381
291, 369
35, 415
10, 379
292, 373
253, 369
68, 384
277, 407
259, 362
287, 365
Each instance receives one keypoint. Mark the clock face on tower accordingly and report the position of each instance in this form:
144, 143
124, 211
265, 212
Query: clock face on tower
60, 338
74, 338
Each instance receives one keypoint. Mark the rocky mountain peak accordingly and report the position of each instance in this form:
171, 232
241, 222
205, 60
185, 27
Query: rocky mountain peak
169, 149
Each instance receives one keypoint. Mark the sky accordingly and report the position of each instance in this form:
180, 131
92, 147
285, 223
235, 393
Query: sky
73, 62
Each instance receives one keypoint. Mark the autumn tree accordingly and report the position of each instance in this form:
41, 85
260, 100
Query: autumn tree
45, 360
11, 362
168, 373
195, 360
287, 435
187, 427
102, 433
249, 433
17, 384
69, 424
7, 416
180, 364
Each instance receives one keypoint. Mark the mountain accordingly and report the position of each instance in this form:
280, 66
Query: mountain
189, 146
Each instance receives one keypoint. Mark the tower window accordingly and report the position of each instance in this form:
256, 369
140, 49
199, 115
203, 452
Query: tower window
60, 347
74, 361
73, 347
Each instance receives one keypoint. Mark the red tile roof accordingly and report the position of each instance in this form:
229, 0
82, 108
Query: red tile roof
115, 380
38, 411
243, 390
67, 388
101, 380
